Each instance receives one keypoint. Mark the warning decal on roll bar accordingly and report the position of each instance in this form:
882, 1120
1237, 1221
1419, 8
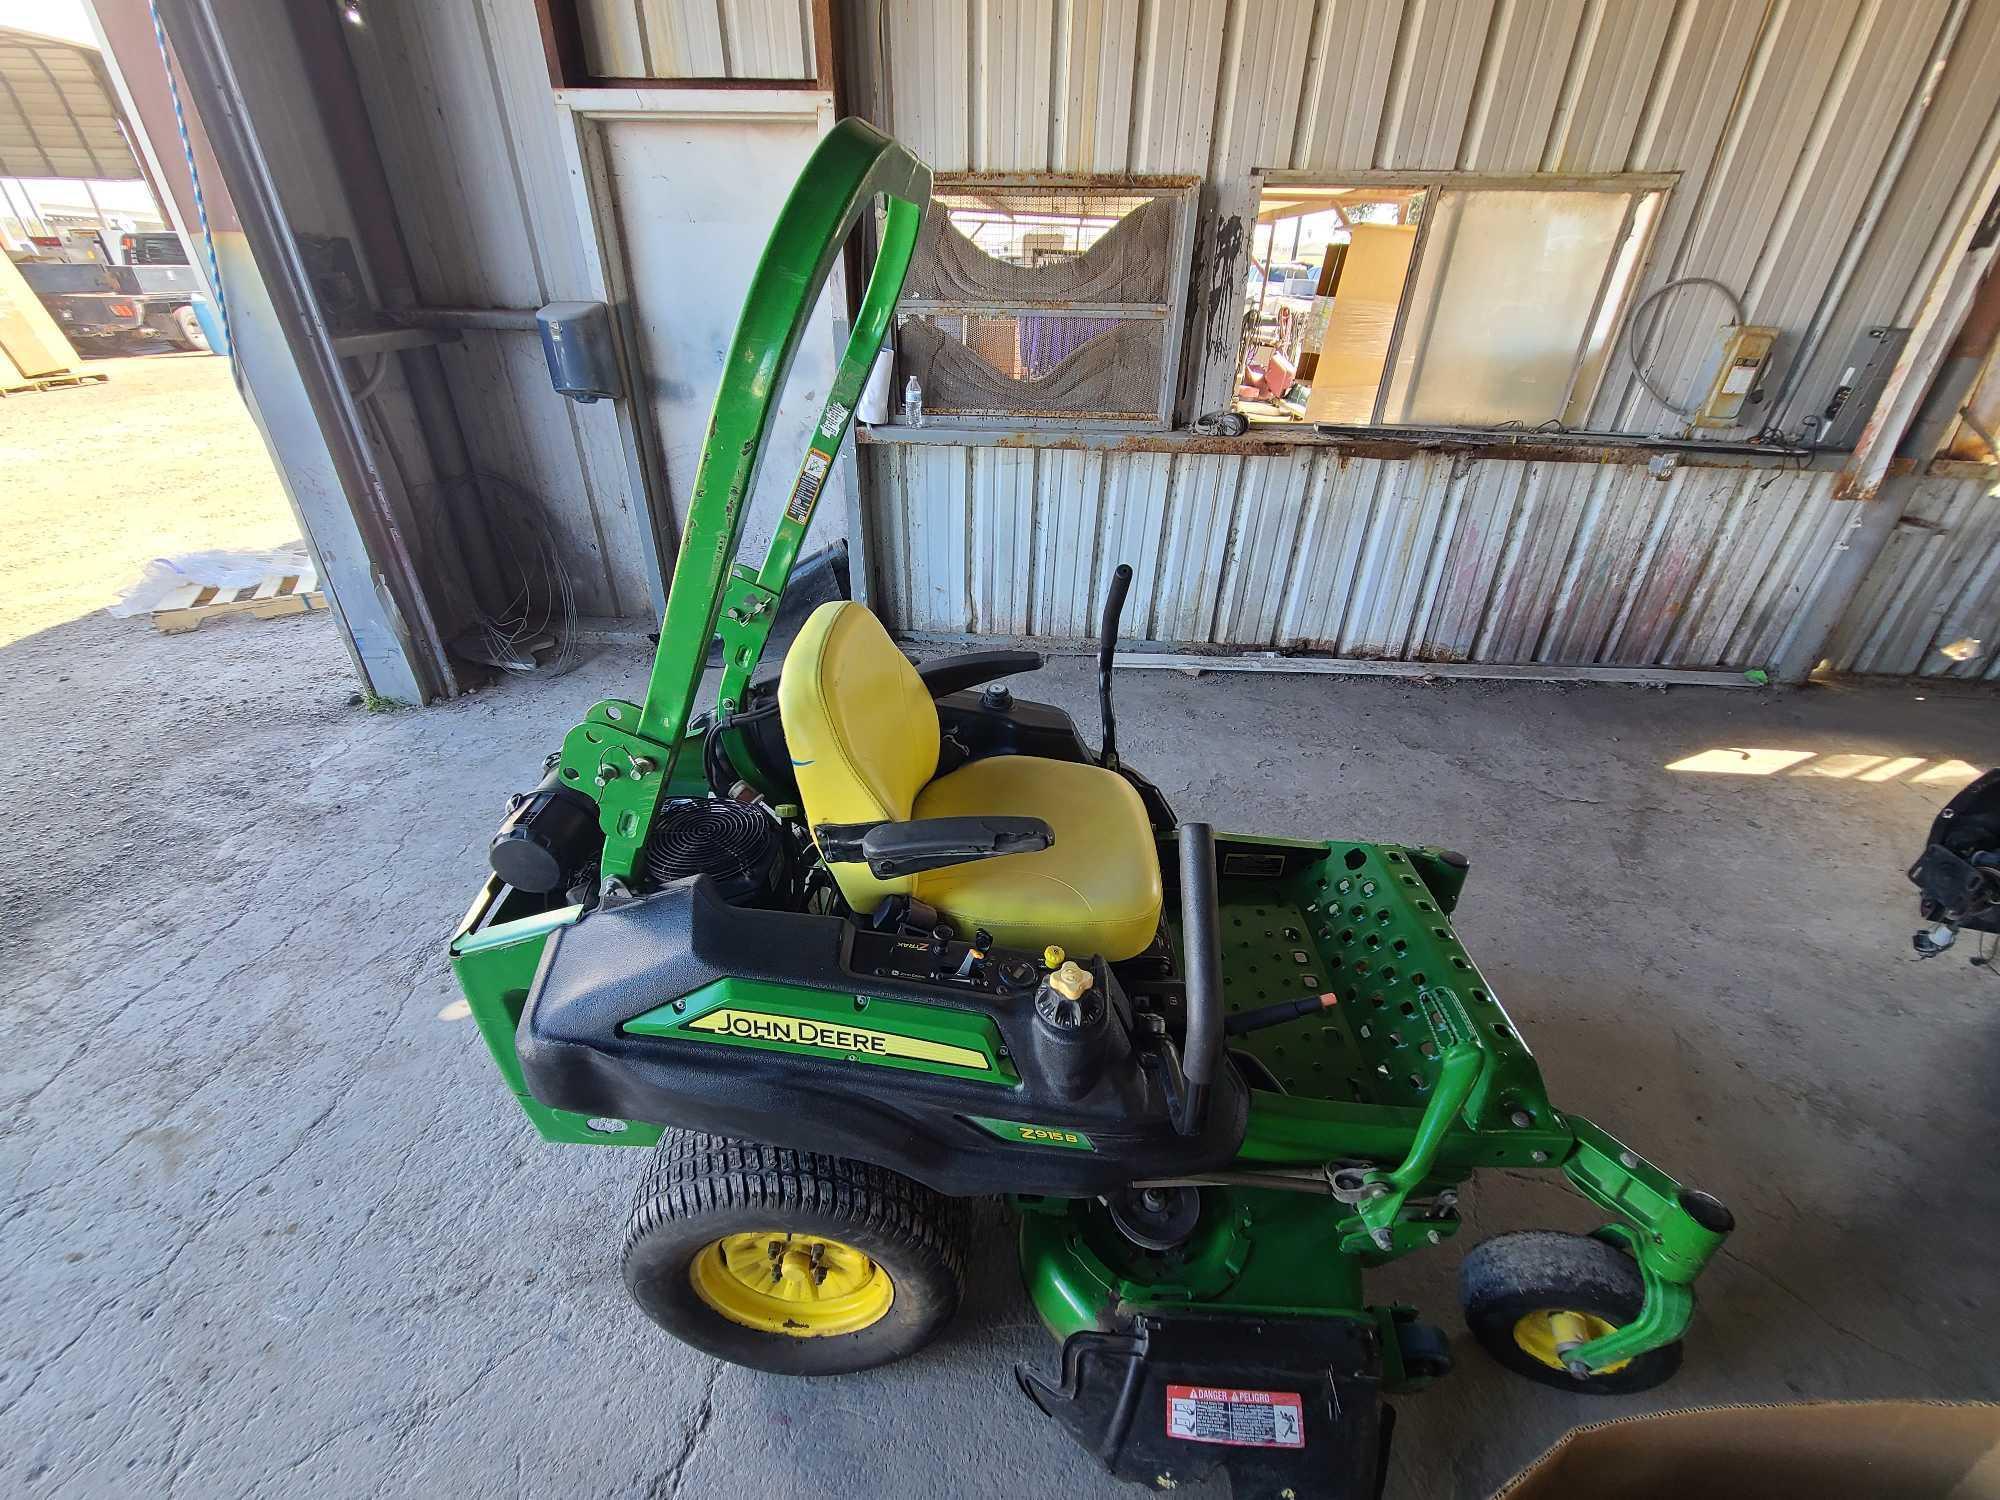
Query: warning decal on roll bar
806, 491
1242, 1419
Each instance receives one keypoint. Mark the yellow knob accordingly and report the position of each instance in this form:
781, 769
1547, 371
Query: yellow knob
1051, 956
1070, 981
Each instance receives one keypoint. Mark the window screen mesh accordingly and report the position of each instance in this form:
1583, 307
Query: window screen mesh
1042, 302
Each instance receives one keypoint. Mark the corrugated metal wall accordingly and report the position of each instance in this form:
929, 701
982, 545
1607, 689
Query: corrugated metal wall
1428, 559
1828, 151
698, 38
1781, 118
458, 95
1936, 584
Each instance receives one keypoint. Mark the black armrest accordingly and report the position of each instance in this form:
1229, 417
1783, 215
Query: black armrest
891, 849
952, 674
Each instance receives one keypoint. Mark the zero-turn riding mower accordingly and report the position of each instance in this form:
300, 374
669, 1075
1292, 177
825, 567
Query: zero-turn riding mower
866, 940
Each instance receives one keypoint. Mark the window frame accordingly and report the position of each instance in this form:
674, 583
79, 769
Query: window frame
1635, 186
1171, 313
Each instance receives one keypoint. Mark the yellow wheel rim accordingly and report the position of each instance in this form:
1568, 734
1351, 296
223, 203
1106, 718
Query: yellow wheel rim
800, 1286
1544, 1335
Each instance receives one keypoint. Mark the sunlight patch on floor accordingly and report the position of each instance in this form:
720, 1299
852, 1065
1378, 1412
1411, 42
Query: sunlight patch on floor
1752, 760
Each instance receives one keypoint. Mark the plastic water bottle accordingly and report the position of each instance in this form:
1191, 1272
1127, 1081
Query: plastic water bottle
913, 402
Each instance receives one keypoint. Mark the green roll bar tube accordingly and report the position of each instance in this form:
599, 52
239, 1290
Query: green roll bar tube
630, 753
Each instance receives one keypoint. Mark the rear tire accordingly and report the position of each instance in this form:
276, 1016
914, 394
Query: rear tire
187, 331
723, 1201
1509, 1285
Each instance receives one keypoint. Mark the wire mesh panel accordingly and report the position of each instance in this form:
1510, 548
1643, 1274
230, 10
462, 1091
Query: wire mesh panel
1044, 304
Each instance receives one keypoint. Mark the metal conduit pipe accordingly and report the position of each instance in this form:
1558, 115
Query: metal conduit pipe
501, 319
343, 114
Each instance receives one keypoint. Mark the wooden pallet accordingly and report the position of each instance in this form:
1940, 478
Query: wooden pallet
52, 382
278, 594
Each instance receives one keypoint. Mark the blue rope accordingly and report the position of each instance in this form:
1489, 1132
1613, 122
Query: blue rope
194, 179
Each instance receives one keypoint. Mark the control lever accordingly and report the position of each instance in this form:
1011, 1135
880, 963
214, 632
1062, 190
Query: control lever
1107, 646
1201, 946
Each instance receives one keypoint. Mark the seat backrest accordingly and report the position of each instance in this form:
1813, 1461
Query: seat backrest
862, 731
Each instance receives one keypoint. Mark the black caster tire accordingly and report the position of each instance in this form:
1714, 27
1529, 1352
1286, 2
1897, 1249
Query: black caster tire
789, 1261
1511, 1284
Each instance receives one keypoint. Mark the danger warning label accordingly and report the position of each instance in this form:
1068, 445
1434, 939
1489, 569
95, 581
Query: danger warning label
1243, 1419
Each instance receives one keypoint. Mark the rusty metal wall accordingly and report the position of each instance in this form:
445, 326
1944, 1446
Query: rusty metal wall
1936, 585
1431, 558
1828, 150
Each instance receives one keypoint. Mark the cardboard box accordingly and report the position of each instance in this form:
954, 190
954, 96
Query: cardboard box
1880, 1450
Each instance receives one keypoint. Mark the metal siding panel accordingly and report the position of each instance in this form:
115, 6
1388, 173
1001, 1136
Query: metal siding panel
1975, 612
1690, 515
1880, 77
1743, 202
881, 470
1389, 582
1262, 549
1069, 497
1520, 85
1604, 567
1340, 508
1923, 207
1818, 524
1937, 583
929, 60
1258, 108
1135, 531
1472, 559
1175, 84
1015, 104
1869, 629
1702, 70
614, 41
935, 505
1199, 509
767, 38
1092, 130
683, 38
1002, 538
1553, 497
1347, 84
1765, 510
1619, 61
1430, 93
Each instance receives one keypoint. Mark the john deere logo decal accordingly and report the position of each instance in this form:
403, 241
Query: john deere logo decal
821, 1036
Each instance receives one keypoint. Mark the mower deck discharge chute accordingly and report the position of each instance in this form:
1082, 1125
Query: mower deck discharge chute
866, 940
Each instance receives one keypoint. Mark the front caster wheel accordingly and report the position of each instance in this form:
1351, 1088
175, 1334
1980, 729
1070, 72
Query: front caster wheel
1529, 1296
789, 1261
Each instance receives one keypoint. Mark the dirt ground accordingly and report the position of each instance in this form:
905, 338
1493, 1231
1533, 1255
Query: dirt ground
160, 459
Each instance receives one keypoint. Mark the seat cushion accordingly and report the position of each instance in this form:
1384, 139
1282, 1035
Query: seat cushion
861, 728
1095, 890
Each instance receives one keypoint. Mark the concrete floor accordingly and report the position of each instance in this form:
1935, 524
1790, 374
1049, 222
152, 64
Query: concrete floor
272, 1228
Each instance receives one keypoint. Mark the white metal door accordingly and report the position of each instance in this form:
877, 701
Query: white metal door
682, 188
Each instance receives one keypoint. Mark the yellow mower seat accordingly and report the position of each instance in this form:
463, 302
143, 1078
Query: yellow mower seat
863, 735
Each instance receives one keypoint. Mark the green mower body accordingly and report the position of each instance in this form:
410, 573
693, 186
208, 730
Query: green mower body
1204, 1148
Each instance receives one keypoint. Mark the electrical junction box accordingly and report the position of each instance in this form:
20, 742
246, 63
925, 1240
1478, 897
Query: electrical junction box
582, 356
1735, 370
1851, 402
